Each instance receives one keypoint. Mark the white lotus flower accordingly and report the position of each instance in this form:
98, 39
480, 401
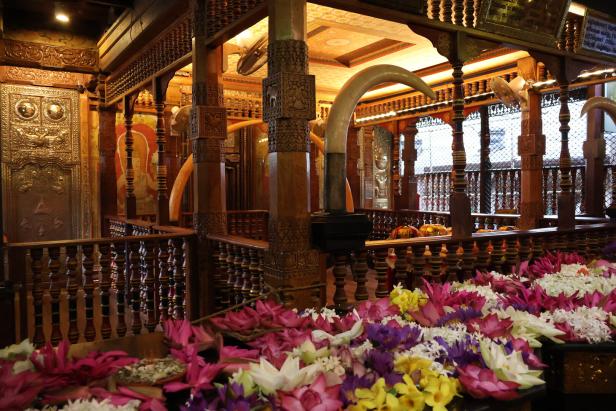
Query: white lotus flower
508, 367
308, 353
24, 348
342, 338
530, 327
270, 379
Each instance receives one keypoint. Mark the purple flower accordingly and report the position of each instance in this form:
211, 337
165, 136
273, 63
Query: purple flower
461, 314
350, 383
226, 397
461, 352
382, 363
388, 338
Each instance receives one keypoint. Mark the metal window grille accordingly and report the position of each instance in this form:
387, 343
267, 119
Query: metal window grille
609, 164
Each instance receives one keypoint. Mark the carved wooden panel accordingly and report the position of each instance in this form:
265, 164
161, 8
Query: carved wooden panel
41, 163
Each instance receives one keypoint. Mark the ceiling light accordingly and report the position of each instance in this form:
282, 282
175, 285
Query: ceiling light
578, 9
62, 17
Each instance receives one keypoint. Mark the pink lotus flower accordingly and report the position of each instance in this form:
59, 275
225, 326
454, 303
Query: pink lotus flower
442, 295
198, 377
124, 395
377, 310
274, 346
482, 382
569, 335
490, 326
520, 344
549, 264
429, 314
243, 320
275, 315
17, 391
186, 339
316, 397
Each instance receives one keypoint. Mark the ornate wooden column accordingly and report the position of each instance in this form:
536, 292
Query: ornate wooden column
531, 147
289, 102
459, 203
594, 153
208, 132
485, 166
566, 197
131, 200
159, 87
107, 146
409, 156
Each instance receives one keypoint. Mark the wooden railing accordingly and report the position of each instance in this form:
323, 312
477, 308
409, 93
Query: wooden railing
442, 258
237, 268
100, 288
505, 189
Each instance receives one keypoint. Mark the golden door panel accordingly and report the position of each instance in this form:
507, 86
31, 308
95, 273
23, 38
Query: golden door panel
41, 164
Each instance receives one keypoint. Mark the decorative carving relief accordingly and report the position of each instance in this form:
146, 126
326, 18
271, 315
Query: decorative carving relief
40, 77
45, 55
41, 162
381, 153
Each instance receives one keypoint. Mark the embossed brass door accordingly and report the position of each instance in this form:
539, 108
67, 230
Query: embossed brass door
41, 165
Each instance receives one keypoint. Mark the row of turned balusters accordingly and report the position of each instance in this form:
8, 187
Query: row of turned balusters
238, 274
136, 274
458, 260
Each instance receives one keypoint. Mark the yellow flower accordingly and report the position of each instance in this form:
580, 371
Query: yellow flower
406, 299
439, 391
376, 398
410, 397
408, 365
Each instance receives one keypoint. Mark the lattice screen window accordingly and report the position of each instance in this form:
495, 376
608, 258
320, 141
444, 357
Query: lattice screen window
433, 165
550, 110
505, 128
610, 163
472, 147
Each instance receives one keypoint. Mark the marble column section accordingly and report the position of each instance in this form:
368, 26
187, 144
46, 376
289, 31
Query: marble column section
485, 166
594, 153
459, 203
289, 103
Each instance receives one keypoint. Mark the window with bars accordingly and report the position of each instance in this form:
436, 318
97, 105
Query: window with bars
434, 160
550, 110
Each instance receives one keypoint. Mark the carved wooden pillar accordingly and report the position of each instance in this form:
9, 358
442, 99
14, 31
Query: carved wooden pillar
531, 148
566, 198
159, 86
594, 153
131, 200
289, 102
409, 199
459, 203
485, 167
208, 132
107, 145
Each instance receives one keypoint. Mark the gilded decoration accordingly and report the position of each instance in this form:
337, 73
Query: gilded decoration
45, 55
41, 160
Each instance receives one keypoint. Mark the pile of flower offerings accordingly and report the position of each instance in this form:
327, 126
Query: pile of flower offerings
419, 349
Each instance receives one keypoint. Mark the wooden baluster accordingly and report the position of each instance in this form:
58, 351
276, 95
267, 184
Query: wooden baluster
246, 278
446, 11
435, 263
594, 251
134, 281
263, 285
525, 250
380, 266
237, 284
360, 269
469, 13
434, 9
231, 273
71, 288
36, 266
419, 264
538, 247
119, 284
603, 239
216, 275
451, 262
545, 191
512, 204
147, 284
511, 254
253, 268
87, 272
468, 259
104, 261
400, 267
179, 278
163, 281
222, 267
483, 256
497, 255
339, 271
54, 292
581, 243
